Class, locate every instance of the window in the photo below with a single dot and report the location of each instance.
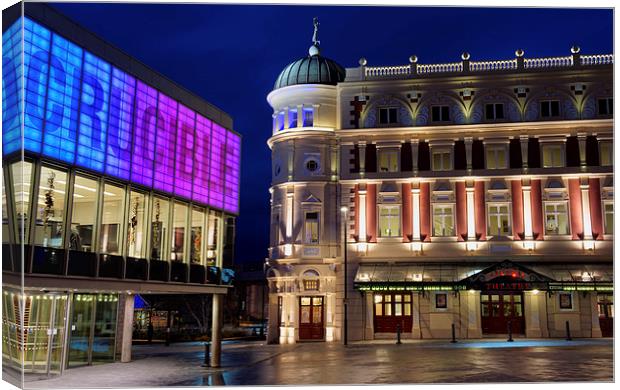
(159, 228)
(311, 228)
(213, 232)
(22, 181)
(312, 164)
(609, 218)
(280, 121)
(388, 115)
(292, 119)
(311, 285)
(494, 111)
(196, 254)
(499, 220)
(388, 160)
(496, 157)
(441, 301)
(308, 118)
(566, 301)
(112, 219)
(179, 215)
(83, 216)
(549, 108)
(396, 305)
(556, 218)
(553, 156)
(606, 153)
(443, 220)
(440, 113)
(605, 106)
(136, 225)
(389, 221)
(51, 205)
(442, 160)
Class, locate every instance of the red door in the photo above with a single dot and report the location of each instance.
(392, 310)
(498, 308)
(311, 326)
(606, 315)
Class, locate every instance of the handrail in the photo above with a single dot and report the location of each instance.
(548, 62)
(440, 68)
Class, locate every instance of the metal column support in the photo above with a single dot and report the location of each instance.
(216, 330)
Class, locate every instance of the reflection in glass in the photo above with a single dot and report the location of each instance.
(22, 182)
(105, 327)
(136, 226)
(112, 218)
(198, 227)
(50, 208)
(159, 228)
(212, 237)
(178, 231)
(85, 194)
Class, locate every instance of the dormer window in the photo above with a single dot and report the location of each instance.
(388, 115)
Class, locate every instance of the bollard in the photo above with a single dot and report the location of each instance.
(568, 338)
(206, 361)
(453, 334)
(398, 334)
(510, 331)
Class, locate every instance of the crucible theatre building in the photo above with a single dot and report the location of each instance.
(116, 182)
(415, 197)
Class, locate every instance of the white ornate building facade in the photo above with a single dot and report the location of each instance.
(477, 194)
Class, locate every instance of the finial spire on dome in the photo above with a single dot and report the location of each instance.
(314, 49)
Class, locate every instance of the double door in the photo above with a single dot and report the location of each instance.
(606, 314)
(499, 309)
(311, 323)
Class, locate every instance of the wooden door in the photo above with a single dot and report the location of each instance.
(500, 308)
(311, 324)
(392, 310)
(606, 315)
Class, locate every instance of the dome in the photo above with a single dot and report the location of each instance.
(313, 69)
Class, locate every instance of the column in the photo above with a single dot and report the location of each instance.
(371, 212)
(216, 331)
(300, 115)
(468, 148)
(524, 143)
(596, 326)
(532, 313)
(538, 227)
(517, 208)
(461, 211)
(330, 312)
(581, 138)
(126, 316)
(425, 211)
(527, 210)
(415, 194)
(407, 218)
(585, 210)
(362, 151)
(414, 155)
(289, 217)
(415, 311)
(471, 217)
(479, 209)
(596, 213)
(474, 324)
(576, 216)
(361, 216)
(369, 331)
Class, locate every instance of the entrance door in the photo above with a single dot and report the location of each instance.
(606, 315)
(498, 308)
(311, 325)
(392, 310)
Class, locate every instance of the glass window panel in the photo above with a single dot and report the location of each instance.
(484, 298)
(378, 298)
(178, 231)
(312, 228)
(378, 309)
(443, 220)
(485, 310)
(112, 219)
(136, 227)
(308, 117)
(387, 298)
(388, 310)
(518, 312)
(292, 119)
(213, 231)
(556, 219)
(317, 301)
(389, 221)
(609, 218)
(398, 298)
(407, 309)
(51, 208)
(21, 173)
(507, 310)
(398, 309)
(305, 314)
(305, 301)
(159, 229)
(407, 298)
(84, 214)
(495, 309)
(388, 160)
(606, 153)
(317, 315)
(197, 254)
(516, 298)
(495, 298)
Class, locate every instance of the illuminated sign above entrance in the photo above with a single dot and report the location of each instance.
(83, 111)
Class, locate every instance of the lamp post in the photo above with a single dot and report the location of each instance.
(345, 210)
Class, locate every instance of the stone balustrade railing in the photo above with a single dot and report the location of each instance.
(466, 66)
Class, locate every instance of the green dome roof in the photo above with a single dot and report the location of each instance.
(313, 69)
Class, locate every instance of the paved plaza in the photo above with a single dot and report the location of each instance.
(256, 363)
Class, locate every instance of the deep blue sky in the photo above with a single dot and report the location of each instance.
(231, 55)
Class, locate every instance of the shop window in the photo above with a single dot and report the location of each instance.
(83, 216)
(440, 113)
(442, 160)
(159, 228)
(496, 156)
(566, 301)
(499, 220)
(549, 108)
(605, 106)
(197, 254)
(609, 217)
(213, 233)
(179, 221)
(388, 115)
(389, 221)
(49, 231)
(441, 301)
(22, 182)
(556, 218)
(388, 160)
(494, 111)
(553, 156)
(311, 228)
(292, 118)
(606, 153)
(112, 219)
(308, 119)
(136, 225)
(443, 220)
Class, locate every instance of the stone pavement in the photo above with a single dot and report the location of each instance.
(378, 362)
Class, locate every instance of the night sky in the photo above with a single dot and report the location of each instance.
(231, 55)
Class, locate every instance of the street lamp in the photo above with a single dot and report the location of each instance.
(345, 210)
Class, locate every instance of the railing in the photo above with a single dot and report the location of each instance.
(482, 66)
(517, 64)
(597, 59)
(549, 62)
(440, 68)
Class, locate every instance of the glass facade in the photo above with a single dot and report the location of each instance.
(51, 206)
(84, 214)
